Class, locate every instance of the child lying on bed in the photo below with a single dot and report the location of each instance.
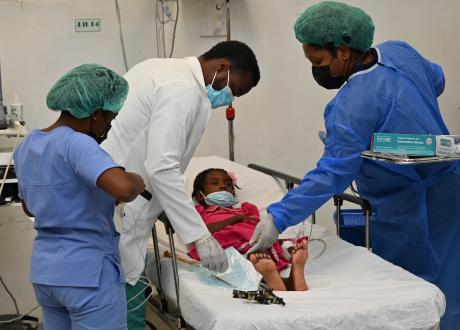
(214, 191)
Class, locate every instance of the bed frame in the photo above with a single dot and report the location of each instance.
(175, 319)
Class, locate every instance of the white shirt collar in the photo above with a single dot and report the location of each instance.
(196, 69)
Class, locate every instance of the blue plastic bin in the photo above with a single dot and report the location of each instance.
(352, 225)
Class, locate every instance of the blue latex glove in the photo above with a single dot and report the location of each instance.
(211, 254)
(264, 236)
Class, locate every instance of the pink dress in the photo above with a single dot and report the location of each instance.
(239, 234)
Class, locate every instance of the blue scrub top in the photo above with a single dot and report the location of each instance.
(57, 173)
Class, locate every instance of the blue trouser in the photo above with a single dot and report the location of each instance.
(84, 308)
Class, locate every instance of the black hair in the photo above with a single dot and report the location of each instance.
(240, 55)
(333, 50)
(198, 184)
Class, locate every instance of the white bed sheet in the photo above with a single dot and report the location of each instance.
(350, 288)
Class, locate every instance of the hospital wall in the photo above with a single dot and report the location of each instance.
(276, 124)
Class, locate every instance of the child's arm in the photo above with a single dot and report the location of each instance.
(227, 222)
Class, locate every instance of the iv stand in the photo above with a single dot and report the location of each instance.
(230, 111)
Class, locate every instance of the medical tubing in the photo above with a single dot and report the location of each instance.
(141, 291)
(163, 37)
(148, 284)
(137, 240)
(120, 30)
(20, 316)
(156, 28)
(141, 304)
(354, 190)
(161, 19)
(313, 240)
(138, 248)
(159, 23)
(174, 30)
(324, 249)
(10, 294)
(11, 159)
(138, 279)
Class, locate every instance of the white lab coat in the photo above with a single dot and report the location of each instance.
(155, 135)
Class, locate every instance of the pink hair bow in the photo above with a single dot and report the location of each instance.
(232, 176)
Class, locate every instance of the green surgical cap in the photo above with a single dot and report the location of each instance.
(335, 23)
(86, 88)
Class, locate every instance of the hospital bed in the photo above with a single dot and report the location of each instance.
(350, 288)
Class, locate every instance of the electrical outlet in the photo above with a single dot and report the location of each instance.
(87, 25)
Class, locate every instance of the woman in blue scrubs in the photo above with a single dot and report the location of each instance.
(389, 88)
(70, 185)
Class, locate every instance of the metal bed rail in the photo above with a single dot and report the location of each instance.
(365, 207)
(291, 181)
(288, 179)
(163, 305)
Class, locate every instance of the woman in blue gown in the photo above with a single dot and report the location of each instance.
(389, 88)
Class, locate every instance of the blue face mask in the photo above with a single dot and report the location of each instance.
(221, 97)
(220, 198)
(240, 274)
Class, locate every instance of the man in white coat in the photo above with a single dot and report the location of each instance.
(156, 133)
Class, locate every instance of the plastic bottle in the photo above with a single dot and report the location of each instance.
(16, 108)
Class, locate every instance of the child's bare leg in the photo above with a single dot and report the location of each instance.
(299, 258)
(267, 268)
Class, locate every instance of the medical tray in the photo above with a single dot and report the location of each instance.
(404, 160)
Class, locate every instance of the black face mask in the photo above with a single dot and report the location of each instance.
(322, 75)
(100, 139)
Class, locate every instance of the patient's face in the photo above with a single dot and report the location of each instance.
(218, 181)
